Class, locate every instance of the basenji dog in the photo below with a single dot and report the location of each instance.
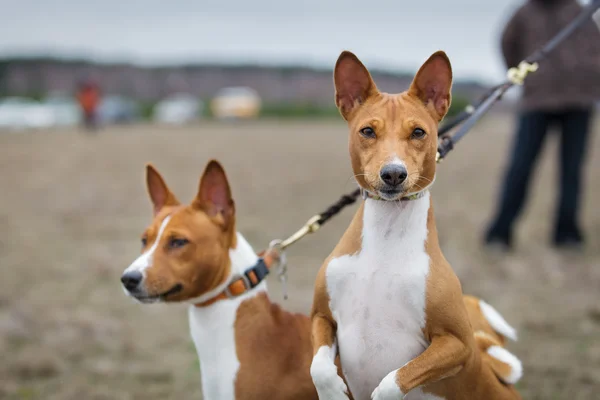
(386, 300)
(249, 348)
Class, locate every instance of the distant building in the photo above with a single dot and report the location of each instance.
(275, 85)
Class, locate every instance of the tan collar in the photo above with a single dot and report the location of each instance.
(408, 197)
(241, 284)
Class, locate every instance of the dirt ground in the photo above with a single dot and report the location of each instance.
(72, 207)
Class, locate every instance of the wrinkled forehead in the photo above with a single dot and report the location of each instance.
(182, 220)
(163, 217)
(394, 111)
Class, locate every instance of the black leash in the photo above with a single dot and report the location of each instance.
(338, 206)
(516, 76)
(314, 223)
(467, 118)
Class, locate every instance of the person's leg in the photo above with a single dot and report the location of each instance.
(574, 135)
(527, 144)
(86, 120)
(93, 120)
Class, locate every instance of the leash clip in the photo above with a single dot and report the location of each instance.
(311, 226)
(518, 74)
(276, 247)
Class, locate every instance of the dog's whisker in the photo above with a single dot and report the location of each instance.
(425, 178)
(419, 186)
(368, 178)
(419, 176)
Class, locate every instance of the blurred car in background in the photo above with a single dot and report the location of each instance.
(64, 108)
(236, 103)
(178, 109)
(19, 113)
(114, 109)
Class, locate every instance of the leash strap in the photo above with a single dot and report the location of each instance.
(335, 208)
(515, 76)
(315, 222)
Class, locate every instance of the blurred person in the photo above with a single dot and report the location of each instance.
(88, 97)
(562, 93)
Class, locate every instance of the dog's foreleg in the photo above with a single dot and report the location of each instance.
(445, 357)
(323, 369)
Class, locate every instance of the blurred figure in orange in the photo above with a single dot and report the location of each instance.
(88, 97)
(562, 92)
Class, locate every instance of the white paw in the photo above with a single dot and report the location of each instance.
(329, 385)
(334, 389)
(388, 389)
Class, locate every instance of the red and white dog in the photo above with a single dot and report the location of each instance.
(386, 298)
(249, 348)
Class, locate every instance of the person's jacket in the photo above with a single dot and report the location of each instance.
(570, 76)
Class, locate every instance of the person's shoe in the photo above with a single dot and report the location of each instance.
(497, 243)
(572, 243)
(568, 239)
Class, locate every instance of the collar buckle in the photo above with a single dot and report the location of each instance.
(260, 271)
(243, 278)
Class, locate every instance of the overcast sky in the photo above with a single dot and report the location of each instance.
(393, 34)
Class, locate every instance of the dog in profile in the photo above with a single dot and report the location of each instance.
(249, 348)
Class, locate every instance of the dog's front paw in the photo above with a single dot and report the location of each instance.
(329, 385)
(388, 389)
(332, 389)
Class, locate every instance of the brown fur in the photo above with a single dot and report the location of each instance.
(453, 365)
(274, 351)
(453, 351)
(485, 337)
(478, 321)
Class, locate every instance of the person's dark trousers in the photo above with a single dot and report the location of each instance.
(89, 120)
(532, 131)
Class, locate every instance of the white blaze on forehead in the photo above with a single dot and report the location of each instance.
(144, 261)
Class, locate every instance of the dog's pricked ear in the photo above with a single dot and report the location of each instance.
(214, 195)
(433, 83)
(353, 83)
(159, 193)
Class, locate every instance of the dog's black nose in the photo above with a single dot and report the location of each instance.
(131, 279)
(393, 174)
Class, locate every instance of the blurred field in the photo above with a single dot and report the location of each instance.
(72, 208)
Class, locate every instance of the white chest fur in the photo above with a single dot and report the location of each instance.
(213, 332)
(377, 296)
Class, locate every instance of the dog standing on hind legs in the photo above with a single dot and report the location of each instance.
(386, 299)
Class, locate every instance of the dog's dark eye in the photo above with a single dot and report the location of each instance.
(368, 132)
(418, 133)
(144, 241)
(176, 243)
